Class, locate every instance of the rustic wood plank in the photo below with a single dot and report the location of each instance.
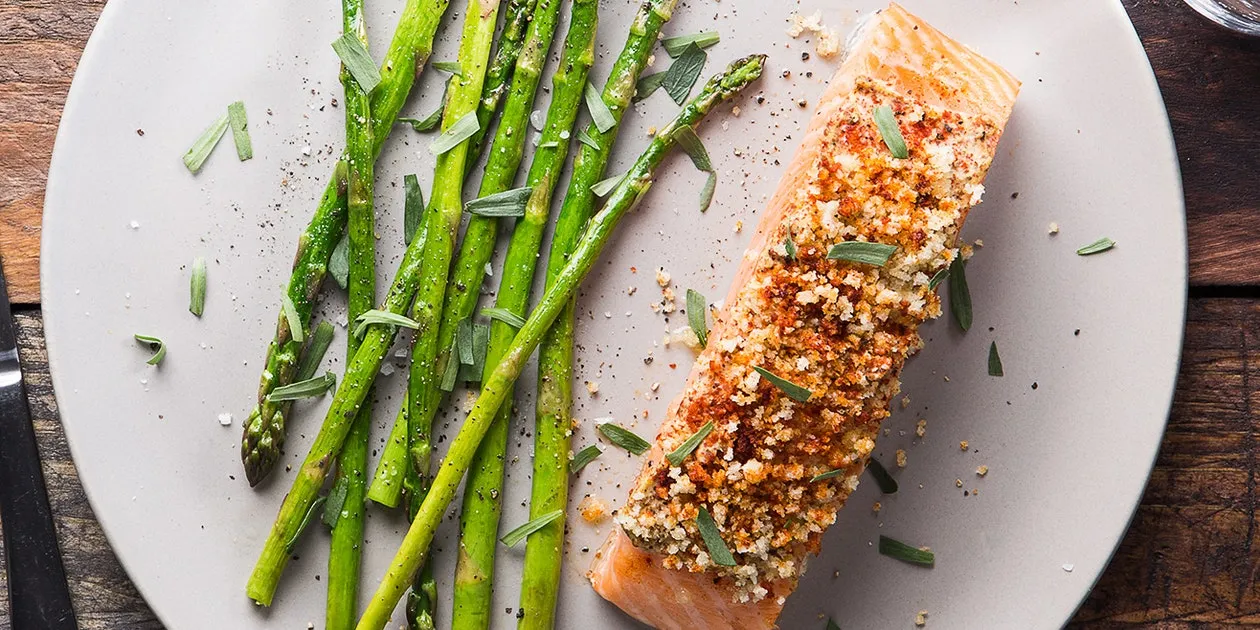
(1208, 77)
(40, 44)
(1192, 554)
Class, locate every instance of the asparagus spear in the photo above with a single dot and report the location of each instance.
(423, 393)
(264, 429)
(347, 532)
(516, 18)
(479, 519)
(362, 368)
(441, 221)
(494, 390)
(540, 580)
(479, 237)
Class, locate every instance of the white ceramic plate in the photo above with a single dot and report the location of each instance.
(1090, 345)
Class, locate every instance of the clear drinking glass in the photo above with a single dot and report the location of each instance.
(1242, 16)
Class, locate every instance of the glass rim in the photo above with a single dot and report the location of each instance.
(1216, 12)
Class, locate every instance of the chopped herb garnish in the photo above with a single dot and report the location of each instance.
(682, 74)
(697, 316)
(464, 341)
(901, 551)
(336, 501)
(584, 457)
(862, 252)
(686, 138)
(413, 207)
(316, 505)
(549, 145)
(586, 139)
(690, 142)
(648, 84)
(240, 130)
(676, 45)
(830, 474)
(197, 287)
(449, 66)
(200, 150)
(509, 203)
(450, 372)
(514, 537)
(156, 345)
(478, 342)
(793, 391)
(354, 55)
(308, 388)
(459, 131)
(430, 122)
(314, 353)
(624, 438)
(505, 316)
(339, 262)
(679, 454)
(718, 551)
(600, 114)
(885, 481)
(959, 294)
(886, 120)
(292, 318)
(604, 187)
(789, 247)
(1097, 247)
(938, 278)
(375, 316)
(995, 361)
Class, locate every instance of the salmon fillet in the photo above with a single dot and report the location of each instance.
(839, 329)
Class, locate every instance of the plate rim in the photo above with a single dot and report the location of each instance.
(75, 95)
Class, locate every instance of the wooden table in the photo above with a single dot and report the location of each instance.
(1192, 554)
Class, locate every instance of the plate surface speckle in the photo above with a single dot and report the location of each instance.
(1089, 345)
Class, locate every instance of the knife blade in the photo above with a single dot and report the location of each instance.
(38, 595)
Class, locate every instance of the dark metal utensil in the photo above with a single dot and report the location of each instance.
(38, 596)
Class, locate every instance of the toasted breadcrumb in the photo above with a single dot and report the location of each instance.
(662, 277)
(901, 458)
(1054, 228)
(982, 471)
(920, 429)
(962, 446)
(592, 387)
(877, 507)
(593, 509)
(921, 618)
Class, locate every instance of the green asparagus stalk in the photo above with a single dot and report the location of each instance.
(479, 519)
(442, 221)
(362, 368)
(347, 533)
(540, 580)
(511, 41)
(387, 482)
(423, 392)
(494, 391)
(264, 429)
(478, 244)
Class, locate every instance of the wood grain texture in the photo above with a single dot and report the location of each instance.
(1191, 558)
(40, 45)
